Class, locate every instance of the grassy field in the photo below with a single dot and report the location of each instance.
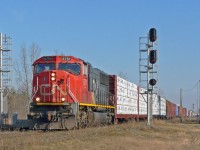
(162, 135)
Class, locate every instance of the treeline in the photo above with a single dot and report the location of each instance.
(16, 102)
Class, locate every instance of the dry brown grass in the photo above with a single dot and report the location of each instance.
(162, 135)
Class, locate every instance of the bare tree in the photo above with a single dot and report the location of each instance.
(23, 69)
(35, 52)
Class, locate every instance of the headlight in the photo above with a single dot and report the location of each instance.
(37, 99)
(53, 78)
(62, 99)
(53, 74)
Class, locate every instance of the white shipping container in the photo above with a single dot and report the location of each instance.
(142, 102)
(121, 100)
(130, 110)
(155, 105)
(142, 111)
(121, 82)
(127, 97)
(132, 94)
(121, 91)
(131, 86)
(156, 112)
(163, 106)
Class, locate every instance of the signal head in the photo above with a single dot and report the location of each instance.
(153, 56)
(152, 82)
(152, 35)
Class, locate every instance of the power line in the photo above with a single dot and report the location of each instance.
(192, 88)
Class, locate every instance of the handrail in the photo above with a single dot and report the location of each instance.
(70, 92)
(35, 91)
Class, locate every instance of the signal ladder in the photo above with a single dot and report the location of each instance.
(147, 70)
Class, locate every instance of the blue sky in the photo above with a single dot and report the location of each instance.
(106, 33)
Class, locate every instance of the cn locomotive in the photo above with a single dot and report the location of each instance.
(69, 92)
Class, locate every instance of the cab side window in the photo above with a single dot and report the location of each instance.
(85, 69)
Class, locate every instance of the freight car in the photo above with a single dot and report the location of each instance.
(126, 98)
(170, 110)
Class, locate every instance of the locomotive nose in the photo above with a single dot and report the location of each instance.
(52, 87)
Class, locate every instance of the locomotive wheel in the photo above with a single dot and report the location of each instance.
(70, 123)
(90, 118)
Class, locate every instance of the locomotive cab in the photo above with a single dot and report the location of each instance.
(59, 80)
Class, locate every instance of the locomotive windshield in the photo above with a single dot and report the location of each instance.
(70, 67)
(42, 67)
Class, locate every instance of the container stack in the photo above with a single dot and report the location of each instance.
(155, 105)
(126, 97)
(162, 106)
(142, 102)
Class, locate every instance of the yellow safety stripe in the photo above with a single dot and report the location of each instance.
(52, 104)
(96, 105)
(81, 104)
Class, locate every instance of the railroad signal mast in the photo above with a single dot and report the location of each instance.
(5, 70)
(148, 74)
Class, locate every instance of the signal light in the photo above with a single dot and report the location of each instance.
(152, 82)
(152, 35)
(153, 56)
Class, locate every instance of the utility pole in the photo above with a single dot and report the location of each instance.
(1, 72)
(180, 111)
(197, 100)
(199, 103)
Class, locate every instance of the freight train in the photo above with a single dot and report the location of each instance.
(69, 92)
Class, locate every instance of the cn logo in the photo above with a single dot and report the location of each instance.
(46, 90)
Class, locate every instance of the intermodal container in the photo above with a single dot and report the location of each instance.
(126, 97)
(162, 107)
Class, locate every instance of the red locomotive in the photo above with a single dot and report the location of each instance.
(69, 92)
